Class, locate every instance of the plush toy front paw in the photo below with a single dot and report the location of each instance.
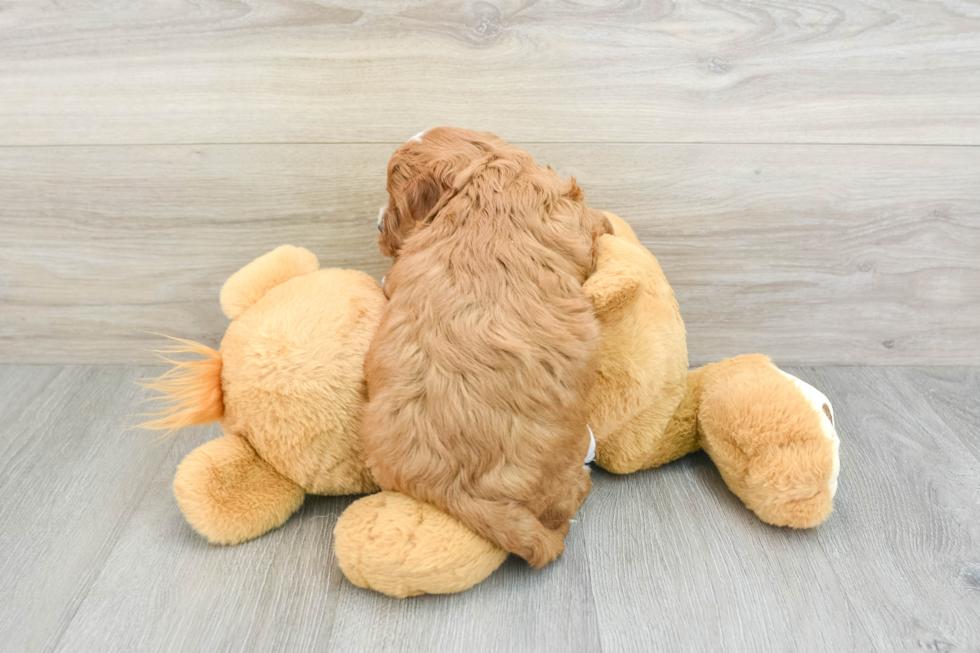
(401, 547)
(773, 439)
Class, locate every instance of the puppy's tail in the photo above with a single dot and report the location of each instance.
(510, 526)
(190, 391)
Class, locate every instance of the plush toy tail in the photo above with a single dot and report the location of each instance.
(190, 391)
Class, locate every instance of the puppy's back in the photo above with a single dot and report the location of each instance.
(480, 372)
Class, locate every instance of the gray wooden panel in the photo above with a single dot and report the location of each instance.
(70, 477)
(679, 564)
(904, 540)
(106, 246)
(95, 555)
(954, 394)
(164, 588)
(516, 609)
(19, 386)
(271, 71)
(818, 254)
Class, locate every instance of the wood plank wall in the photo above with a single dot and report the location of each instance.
(808, 176)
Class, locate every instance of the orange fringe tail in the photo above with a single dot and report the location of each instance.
(190, 390)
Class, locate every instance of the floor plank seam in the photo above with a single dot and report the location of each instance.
(953, 429)
(103, 563)
(333, 567)
(595, 600)
(802, 372)
(833, 568)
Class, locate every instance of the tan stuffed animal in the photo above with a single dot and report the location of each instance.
(288, 388)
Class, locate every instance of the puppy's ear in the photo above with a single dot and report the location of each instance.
(421, 196)
(389, 241)
(429, 192)
(405, 213)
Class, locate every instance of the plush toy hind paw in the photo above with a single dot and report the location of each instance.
(229, 494)
(772, 438)
(819, 402)
(401, 547)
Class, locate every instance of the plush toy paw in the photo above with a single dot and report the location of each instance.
(772, 438)
(401, 547)
(229, 494)
(819, 402)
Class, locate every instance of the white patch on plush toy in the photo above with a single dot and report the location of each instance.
(823, 406)
(589, 457)
(418, 137)
(381, 217)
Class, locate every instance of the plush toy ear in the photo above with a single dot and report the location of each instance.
(253, 281)
(611, 291)
(615, 283)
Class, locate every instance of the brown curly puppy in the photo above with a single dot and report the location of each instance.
(480, 372)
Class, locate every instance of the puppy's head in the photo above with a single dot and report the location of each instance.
(424, 174)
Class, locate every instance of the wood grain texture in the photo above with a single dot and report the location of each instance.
(71, 475)
(165, 589)
(380, 70)
(954, 394)
(679, 564)
(812, 254)
(516, 609)
(95, 555)
(904, 540)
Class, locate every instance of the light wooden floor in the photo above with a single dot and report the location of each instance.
(95, 556)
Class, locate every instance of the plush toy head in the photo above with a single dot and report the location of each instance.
(292, 367)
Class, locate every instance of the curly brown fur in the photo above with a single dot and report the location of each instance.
(481, 369)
